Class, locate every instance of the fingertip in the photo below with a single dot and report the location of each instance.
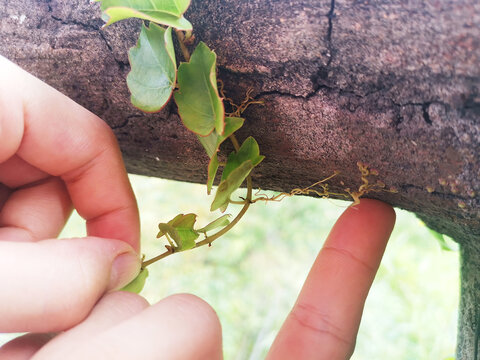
(119, 305)
(131, 300)
(125, 268)
(191, 306)
(374, 217)
(191, 315)
(377, 208)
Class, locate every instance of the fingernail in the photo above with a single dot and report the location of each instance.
(125, 268)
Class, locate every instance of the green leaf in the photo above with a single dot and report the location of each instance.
(239, 164)
(199, 105)
(152, 78)
(248, 151)
(165, 12)
(168, 230)
(230, 184)
(137, 284)
(180, 229)
(212, 172)
(173, 7)
(220, 222)
(212, 142)
(209, 142)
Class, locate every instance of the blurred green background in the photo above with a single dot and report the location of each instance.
(252, 275)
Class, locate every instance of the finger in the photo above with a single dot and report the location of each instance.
(63, 139)
(52, 285)
(178, 327)
(37, 212)
(24, 347)
(111, 310)
(324, 321)
(16, 172)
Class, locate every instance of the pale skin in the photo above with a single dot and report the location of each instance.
(56, 156)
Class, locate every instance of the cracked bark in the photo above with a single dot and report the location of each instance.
(393, 84)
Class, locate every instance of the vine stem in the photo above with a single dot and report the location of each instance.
(183, 47)
(209, 239)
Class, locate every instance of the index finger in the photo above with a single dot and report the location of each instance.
(324, 321)
(63, 139)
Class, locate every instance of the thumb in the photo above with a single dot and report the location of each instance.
(52, 285)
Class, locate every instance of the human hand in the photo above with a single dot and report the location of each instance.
(322, 325)
(51, 285)
(56, 155)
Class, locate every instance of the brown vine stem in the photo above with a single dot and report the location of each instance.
(156, 258)
(209, 239)
(183, 47)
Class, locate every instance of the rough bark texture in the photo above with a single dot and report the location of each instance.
(391, 83)
(469, 317)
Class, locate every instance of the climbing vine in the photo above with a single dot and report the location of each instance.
(155, 77)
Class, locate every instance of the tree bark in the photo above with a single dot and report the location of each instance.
(391, 83)
(469, 316)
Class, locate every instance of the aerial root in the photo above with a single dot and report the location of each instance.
(238, 109)
(321, 188)
(323, 192)
(366, 186)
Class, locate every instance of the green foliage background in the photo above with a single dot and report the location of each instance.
(252, 275)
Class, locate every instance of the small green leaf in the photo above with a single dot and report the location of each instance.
(153, 75)
(165, 12)
(212, 171)
(230, 184)
(137, 284)
(199, 105)
(239, 164)
(212, 142)
(248, 151)
(180, 229)
(209, 143)
(168, 230)
(220, 222)
(184, 226)
(186, 221)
